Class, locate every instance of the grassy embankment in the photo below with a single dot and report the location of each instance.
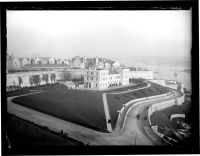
(77, 106)
(29, 137)
(116, 101)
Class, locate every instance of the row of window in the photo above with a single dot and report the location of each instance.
(96, 73)
(105, 78)
(116, 77)
(93, 78)
(109, 83)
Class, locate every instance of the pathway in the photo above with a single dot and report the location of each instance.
(107, 113)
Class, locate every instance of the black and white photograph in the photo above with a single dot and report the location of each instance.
(99, 78)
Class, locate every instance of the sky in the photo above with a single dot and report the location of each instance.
(123, 35)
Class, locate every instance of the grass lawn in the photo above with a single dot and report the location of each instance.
(23, 133)
(81, 107)
(26, 90)
(116, 101)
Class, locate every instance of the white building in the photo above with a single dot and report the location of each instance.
(102, 79)
(51, 61)
(124, 75)
(38, 60)
(143, 74)
(114, 78)
(116, 64)
(61, 61)
(107, 66)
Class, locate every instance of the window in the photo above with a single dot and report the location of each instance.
(92, 78)
(96, 84)
(87, 78)
(91, 73)
(87, 73)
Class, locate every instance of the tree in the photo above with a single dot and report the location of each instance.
(20, 80)
(66, 76)
(31, 80)
(45, 77)
(36, 80)
(53, 77)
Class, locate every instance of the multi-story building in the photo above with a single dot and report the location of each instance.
(102, 79)
(24, 61)
(124, 72)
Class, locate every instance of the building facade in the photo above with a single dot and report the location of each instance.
(143, 74)
(102, 79)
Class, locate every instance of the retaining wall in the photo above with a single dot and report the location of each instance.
(136, 102)
(163, 105)
(12, 79)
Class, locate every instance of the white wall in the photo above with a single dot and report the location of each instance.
(141, 74)
(160, 82)
(13, 78)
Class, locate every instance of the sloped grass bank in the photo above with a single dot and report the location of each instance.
(22, 133)
(80, 107)
(116, 101)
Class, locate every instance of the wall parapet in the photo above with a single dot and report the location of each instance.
(163, 105)
(127, 107)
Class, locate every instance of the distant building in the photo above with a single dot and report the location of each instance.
(13, 63)
(38, 60)
(140, 73)
(116, 64)
(51, 61)
(24, 61)
(107, 66)
(45, 60)
(102, 79)
(70, 85)
(61, 61)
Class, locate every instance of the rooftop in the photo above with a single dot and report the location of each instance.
(113, 72)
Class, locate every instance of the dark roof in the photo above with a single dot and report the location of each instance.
(132, 68)
(113, 72)
(81, 59)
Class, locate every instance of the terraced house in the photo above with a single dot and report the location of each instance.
(102, 79)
